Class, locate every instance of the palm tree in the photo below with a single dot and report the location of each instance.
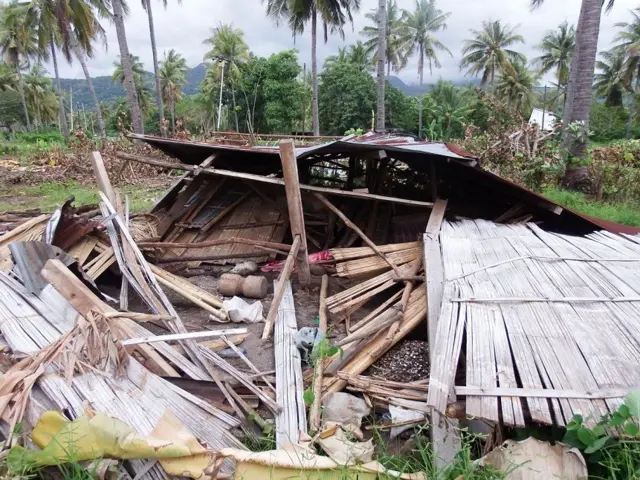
(172, 77)
(449, 108)
(73, 27)
(339, 58)
(146, 4)
(8, 78)
(334, 14)
(557, 47)
(579, 91)
(141, 89)
(228, 50)
(359, 57)
(629, 45)
(418, 36)
(18, 44)
(393, 55)
(36, 87)
(610, 81)
(515, 88)
(488, 53)
(129, 85)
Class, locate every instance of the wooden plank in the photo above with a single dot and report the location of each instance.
(444, 431)
(544, 392)
(292, 420)
(294, 204)
(314, 410)
(280, 288)
(183, 336)
(312, 188)
(102, 178)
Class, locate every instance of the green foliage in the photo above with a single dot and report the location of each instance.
(609, 457)
(401, 111)
(446, 111)
(283, 94)
(11, 111)
(346, 98)
(607, 123)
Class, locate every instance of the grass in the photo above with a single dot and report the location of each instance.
(626, 214)
(49, 195)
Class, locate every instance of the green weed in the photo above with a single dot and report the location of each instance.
(624, 213)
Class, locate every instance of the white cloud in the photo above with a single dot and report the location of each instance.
(184, 26)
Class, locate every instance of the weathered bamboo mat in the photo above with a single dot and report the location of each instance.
(538, 311)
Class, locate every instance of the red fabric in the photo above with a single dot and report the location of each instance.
(277, 265)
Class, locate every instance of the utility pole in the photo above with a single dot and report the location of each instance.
(544, 107)
(71, 105)
(220, 102)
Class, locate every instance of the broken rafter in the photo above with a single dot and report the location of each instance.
(219, 241)
(314, 411)
(156, 162)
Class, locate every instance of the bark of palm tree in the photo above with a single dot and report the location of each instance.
(314, 72)
(580, 88)
(125, 58)
(421, 68)
(83, 63)
(22, 96)
(172, 110)
(154, 51)
(382, 51)
(61, 112)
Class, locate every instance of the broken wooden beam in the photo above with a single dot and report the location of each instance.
(102, 178)
(280, 287)
(360, 233)
(156, 162)
(184, 336)
(294, 204)
(220, 241)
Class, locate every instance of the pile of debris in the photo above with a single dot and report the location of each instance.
(131, 378)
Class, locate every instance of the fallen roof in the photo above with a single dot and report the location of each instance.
(547, 317)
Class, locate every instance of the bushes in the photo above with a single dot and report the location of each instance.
(615, 171)
(607, 123)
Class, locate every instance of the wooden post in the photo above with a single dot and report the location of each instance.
(280, 287)
(445, 438)
(314, 411)
(102, 178)
(294, 203)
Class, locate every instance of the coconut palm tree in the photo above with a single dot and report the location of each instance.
(515, 88)
(579, 91)
(557, 47)
(333, 14)
(394, 58)
(119, 11)
(8, 78)
(418, 37)
(488, 52)
(629, 45)
(172, 77)
(228, 52)
(610, 81)
(18, 43)
(141, 89)
(72, 26)
(341, 57)
(146, 4)
(359, 56)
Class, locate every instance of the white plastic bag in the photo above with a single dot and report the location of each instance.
(240, 311)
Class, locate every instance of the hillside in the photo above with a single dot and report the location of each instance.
(109, 91)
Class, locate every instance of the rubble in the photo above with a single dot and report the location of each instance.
(377, 245)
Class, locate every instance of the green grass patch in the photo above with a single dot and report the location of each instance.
(50, 195)
(624, 213)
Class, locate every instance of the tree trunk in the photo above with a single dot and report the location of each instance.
(22, 97)
(61, 111)
(125, 58)
(173, 118)
(579, 101)
(235, 112)
(630, 117)
(314, 72)
(421, 68)
(573, 72)
(92, 91)
(38, 116)
(154, 51)
(382, 54)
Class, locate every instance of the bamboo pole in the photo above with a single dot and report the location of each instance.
(294, 204)
(360, 233)
(220, 241)
(279, 291)
(314, 411)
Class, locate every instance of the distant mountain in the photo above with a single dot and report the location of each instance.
(413, 89)
(194, 77)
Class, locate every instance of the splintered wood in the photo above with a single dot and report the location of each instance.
(520, 339)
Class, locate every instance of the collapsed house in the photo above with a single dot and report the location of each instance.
(511, 290)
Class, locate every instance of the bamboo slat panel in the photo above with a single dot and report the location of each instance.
(522, 340)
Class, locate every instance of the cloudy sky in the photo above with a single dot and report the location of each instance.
(184, 26)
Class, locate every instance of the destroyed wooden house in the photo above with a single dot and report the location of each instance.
(529, 309)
